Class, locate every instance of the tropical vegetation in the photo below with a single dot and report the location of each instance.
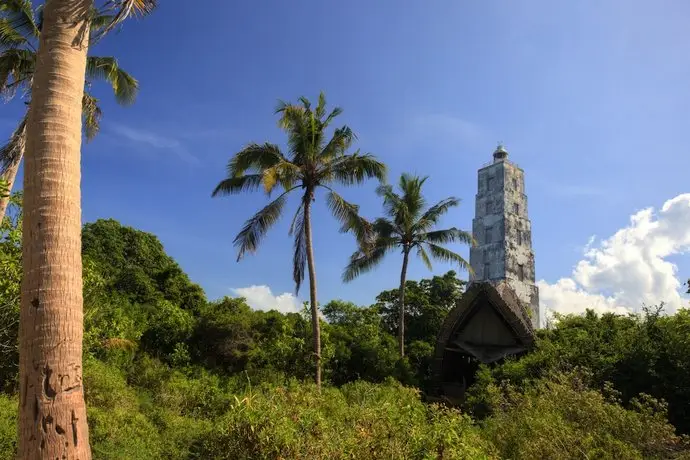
(20, 28)
(170, 374)
(409, 226)
(51, 313)
(99, 315)
(313, 162)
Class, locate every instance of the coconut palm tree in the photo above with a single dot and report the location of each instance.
(52, 413)
(18, 43)
(408, 226)
(312, 162)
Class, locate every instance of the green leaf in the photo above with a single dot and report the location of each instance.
(446, 255)
(421, 252)
(348, 216)
(124, 9)
(16, 68)
(299, 258)
(234, 185)
(355, 169)
(256, 157)
(123, 84)
(451, 235)
(364, 261)
(9, 36)
(256, 228)
(91, 115)
(19, 14)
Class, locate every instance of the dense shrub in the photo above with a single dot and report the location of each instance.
(8, 426)
(561, 418)
(636, 354)
(169, 375)
(359, 420)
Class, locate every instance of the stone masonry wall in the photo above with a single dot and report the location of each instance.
(503, 232)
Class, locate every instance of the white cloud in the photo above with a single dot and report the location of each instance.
(629, 269)
(261, 298)
(153, 140)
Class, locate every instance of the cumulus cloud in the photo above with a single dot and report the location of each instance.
(629, 269)
(261, 298)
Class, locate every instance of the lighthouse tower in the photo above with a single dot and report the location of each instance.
(503, 232)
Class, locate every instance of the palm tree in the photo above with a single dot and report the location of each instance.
(52, 413)
(312, 162)
(18, 43)
(408, 226)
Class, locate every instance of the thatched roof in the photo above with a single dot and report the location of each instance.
(489, 322)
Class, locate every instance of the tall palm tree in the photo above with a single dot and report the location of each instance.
(52, 413)
(312, 162)
(408, 226)
(19, 38)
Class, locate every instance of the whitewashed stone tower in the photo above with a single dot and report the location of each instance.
(503, 232)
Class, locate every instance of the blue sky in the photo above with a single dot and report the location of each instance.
(591, 99)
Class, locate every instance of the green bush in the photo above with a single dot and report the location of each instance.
(360, 420)
(561, 418)
(8, 426)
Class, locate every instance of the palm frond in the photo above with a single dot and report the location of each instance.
(320, 111)
(248, 239)
(355, 169)
(299, 258)
(348, 216)
(334, 113)
(234, 185)
(411, 188)
(283, 173)
(99, 21)
(294, 224)
(123, 9)
(123, 84)
(13, 150)
(91, 115)
(340, 142)
(385, 228)
(446, 255)
(16, 68)
(257, 157)
(296, 121)
(364, 261)
(434, 213)
(19, 15)
(421, 252)
(451, 235)
(9, 36)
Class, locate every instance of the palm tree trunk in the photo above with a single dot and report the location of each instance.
(316, 327)
(52, 413)
(9, 176)
(401, 301)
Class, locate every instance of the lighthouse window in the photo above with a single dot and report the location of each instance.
(519, 237)
(516, 208)
(487, 237)
(490, 183)
(515, 184)
(521, 272)
(488, 207)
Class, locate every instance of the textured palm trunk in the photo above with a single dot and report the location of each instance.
(52, 414)
(401, 301)
(9, 177)
(316, 327)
